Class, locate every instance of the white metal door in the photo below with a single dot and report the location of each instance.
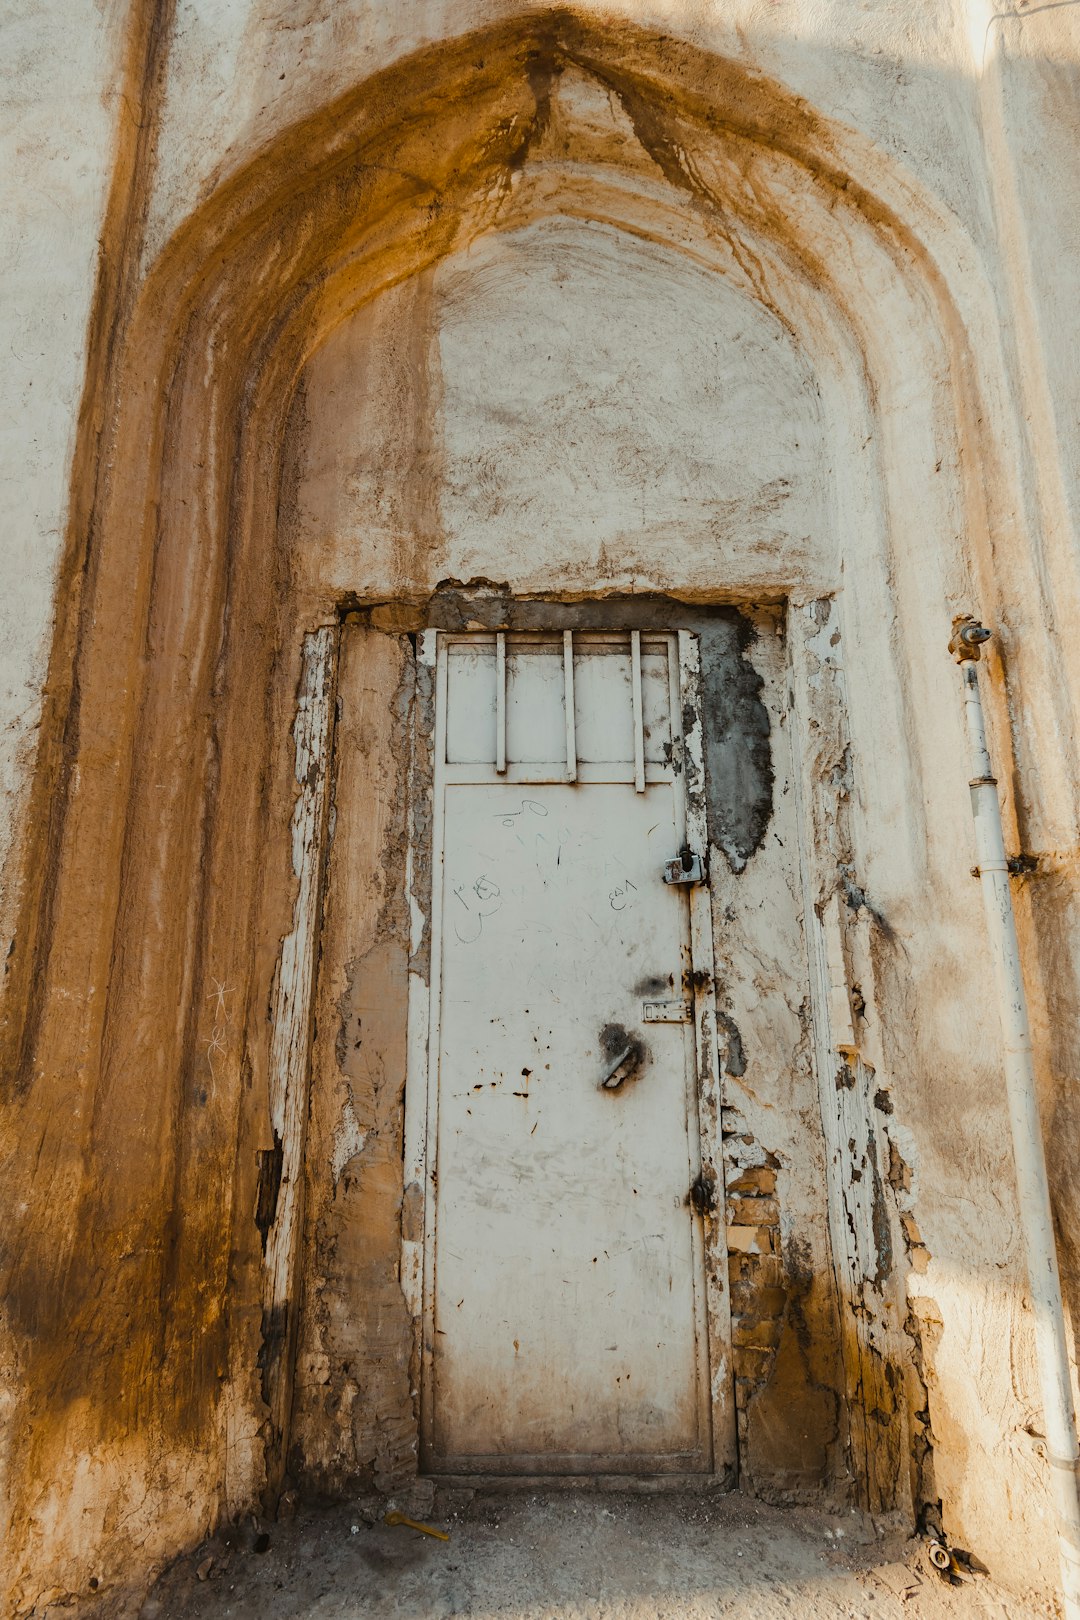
(564, 1303)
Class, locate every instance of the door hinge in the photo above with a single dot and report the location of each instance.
(703, 1194)
(687, 867)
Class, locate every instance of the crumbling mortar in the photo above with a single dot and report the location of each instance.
(758, 1292)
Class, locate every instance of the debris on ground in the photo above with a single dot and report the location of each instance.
(566, 1554)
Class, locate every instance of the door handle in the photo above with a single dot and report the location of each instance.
(622, 1067)
(618, 1071)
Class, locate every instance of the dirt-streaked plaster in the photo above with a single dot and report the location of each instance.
(636, 422)
(59, 143)
(240, 75)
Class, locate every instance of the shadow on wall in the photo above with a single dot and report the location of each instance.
(157, 873)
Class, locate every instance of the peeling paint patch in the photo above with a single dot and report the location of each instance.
(291, 1033)
(349, 1139)
(354, 1421)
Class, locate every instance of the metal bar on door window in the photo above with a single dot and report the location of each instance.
(568, 701)
(639, 717)
(500, 703)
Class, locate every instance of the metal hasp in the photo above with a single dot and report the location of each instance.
(1036, 1218)
(685, 868)
(667, 1012)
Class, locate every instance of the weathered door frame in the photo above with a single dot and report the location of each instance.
(421, 1086)
(817, 704)
(279, 1214)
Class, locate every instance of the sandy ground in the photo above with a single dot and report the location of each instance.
(572, 1555)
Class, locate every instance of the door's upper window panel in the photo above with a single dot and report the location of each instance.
(609, 724)
(535, 701)
(470, 702)
(604, 709)
(656, 701)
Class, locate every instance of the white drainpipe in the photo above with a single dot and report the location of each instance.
(1036, 1219)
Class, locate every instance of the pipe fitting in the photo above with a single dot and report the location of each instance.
(967, 638)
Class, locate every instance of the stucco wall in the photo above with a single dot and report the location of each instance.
(707, 338)
(60, 80)
(562, 408)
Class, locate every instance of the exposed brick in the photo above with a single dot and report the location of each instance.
(762, 1332)
(758, 1180)
(743, 1296)
(749, 1239)
(753, 1211)
(750, 1361)
(761, 1269)
(740, 1268)
(750, 1297)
